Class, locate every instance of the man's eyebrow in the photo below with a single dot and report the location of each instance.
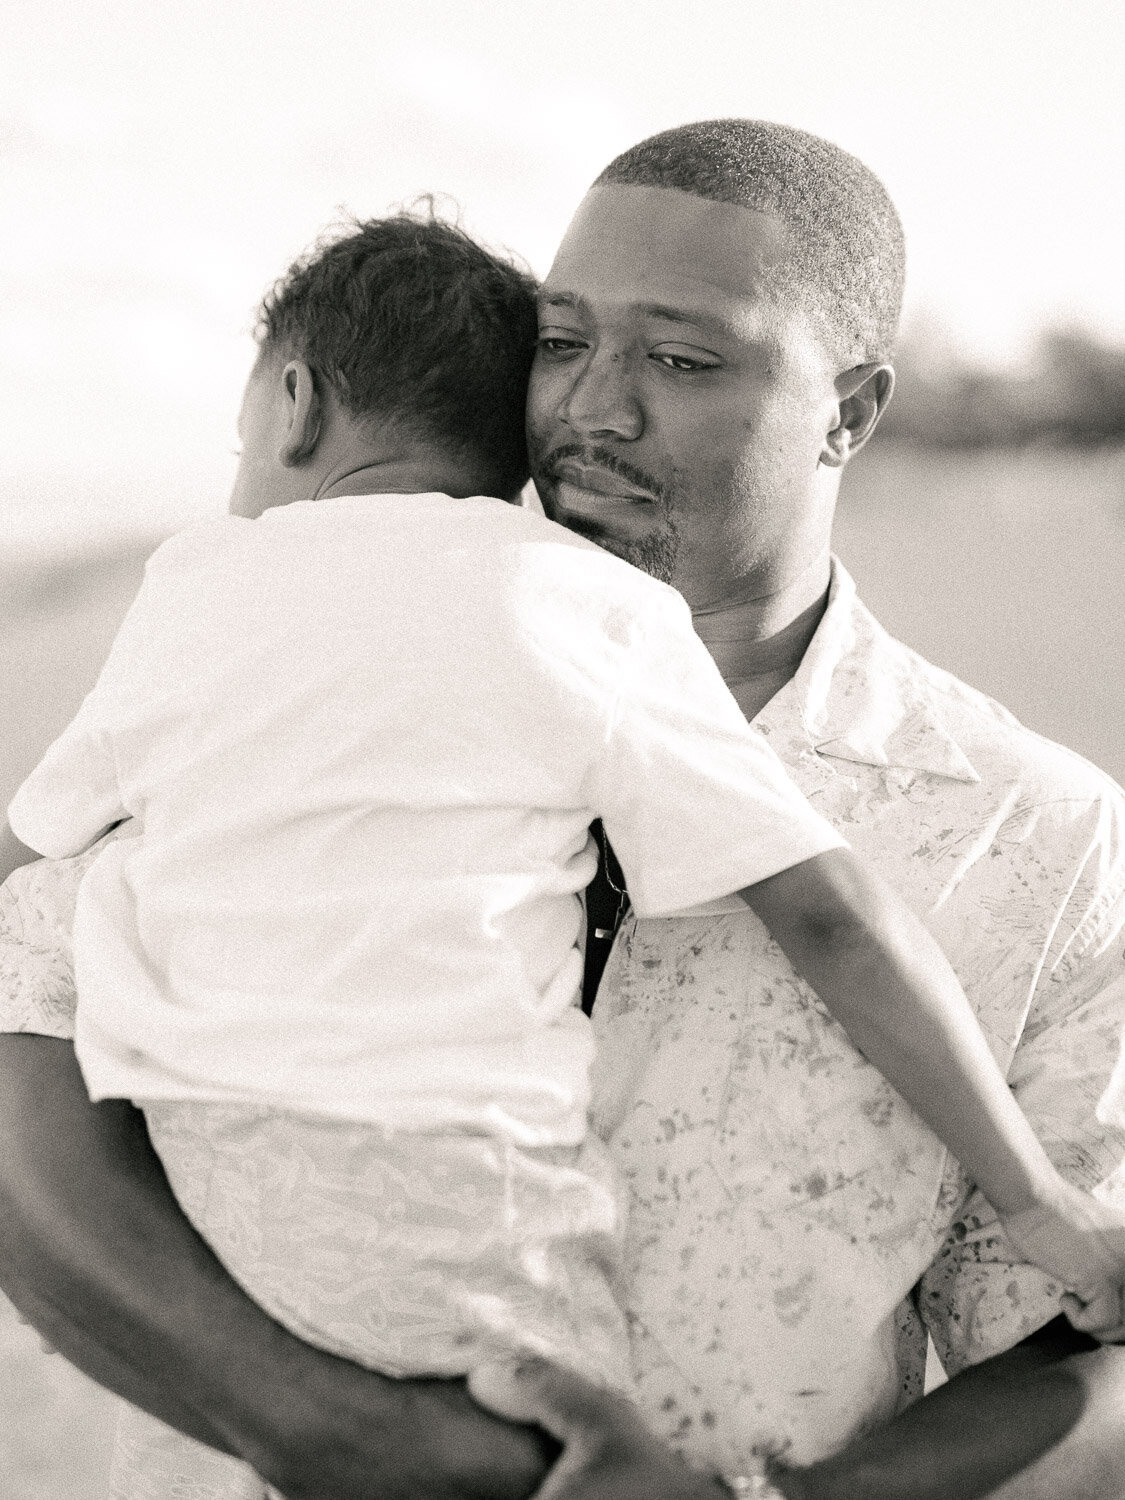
(698, 318)
(546, 298)
(714, 322)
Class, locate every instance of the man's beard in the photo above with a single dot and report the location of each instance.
(656, 553)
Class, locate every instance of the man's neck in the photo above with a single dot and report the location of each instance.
(758, 640)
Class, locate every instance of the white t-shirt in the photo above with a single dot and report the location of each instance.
(364, 738)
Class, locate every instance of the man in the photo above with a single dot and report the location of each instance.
(714, 348)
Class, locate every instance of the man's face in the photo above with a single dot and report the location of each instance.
(676, 413)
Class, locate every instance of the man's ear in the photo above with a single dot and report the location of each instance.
(303, 414)
(863, 393)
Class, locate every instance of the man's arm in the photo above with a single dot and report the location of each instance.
(96, 1252)
(94, 1249)
(1044, 1421)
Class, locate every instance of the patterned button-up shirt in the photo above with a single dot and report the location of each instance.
(794, 1228)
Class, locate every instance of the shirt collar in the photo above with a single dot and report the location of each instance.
(859, 695)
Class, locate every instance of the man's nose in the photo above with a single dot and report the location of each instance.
(603, 401)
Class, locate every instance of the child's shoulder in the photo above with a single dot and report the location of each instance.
(577, 562)
(202, 542)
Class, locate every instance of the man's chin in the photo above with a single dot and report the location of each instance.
(655, 555)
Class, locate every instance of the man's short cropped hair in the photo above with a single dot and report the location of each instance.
(412, 323)
(846, 261)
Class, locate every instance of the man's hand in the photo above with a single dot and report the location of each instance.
(608, 1452)
(408, 1440)
(1040, 1422)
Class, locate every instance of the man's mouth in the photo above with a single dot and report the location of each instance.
(583, 489)
(613, 504)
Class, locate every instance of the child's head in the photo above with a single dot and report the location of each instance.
(404, 325)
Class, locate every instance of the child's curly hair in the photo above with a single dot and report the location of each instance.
(411, 321)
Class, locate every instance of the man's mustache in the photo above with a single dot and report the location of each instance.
(547, 463)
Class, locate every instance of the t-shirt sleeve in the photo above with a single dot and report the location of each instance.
(979, 1296)
(694, 802)
(72, 795)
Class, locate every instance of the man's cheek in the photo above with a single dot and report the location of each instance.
(544, 396)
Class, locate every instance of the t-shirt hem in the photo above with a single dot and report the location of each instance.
(405, 1118)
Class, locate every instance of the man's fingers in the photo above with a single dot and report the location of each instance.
(598, 1429)
(528, 1389)
(497, 1387)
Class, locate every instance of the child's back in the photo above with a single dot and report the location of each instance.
(364, 739)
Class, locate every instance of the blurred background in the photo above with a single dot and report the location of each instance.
(160, 165)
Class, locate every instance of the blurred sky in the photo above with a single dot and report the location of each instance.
(160, 163)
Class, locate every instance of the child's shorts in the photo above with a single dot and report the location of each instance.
(412, 1254)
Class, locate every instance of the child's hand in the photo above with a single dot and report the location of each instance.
(1081, 1242)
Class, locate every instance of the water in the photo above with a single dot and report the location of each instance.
(1009, 571)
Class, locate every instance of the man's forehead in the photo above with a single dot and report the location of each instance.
(660, 246)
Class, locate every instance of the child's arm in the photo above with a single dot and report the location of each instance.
(887, 982)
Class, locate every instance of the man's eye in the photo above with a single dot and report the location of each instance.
(552, 343)
(673, 361)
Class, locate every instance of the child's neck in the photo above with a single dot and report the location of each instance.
(418, 474)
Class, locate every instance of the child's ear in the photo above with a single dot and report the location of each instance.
(863, 393)
(302, 414)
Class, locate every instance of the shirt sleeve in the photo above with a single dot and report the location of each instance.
(979, 1298)
(694, 801)
(72, 795)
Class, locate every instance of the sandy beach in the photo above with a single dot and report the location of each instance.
(56, 1426)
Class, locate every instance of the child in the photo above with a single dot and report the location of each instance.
(362, 726)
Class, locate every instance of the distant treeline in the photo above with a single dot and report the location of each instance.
(1071, 392)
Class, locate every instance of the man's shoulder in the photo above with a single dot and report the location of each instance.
(1002, 749)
